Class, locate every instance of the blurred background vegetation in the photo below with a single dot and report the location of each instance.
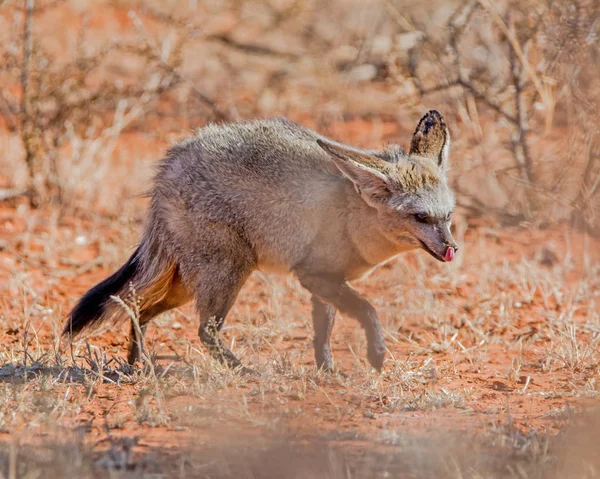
(91, 92)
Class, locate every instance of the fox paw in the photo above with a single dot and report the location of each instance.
(376, 355)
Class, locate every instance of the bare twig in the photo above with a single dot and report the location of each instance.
(250, 48)
(456, 26)
(26, 124)
(8, 111)
(485, 99)
(514, 43)
(519, 142)
(8, 193)
(217, 112)
(475, 92)
(590, 185)
(398, 17)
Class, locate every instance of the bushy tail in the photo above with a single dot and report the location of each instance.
(93, 307)
(150, 271)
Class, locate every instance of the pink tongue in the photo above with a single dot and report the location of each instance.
(449, 254)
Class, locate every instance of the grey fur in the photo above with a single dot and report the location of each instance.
(276, 196)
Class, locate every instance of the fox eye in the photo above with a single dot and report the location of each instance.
(422, 217)
(449, 217)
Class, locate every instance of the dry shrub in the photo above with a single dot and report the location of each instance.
(68, 107)
(515, 78)
(529, 67)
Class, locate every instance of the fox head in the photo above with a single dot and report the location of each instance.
(409, 191)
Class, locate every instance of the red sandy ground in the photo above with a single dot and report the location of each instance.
(492, 400)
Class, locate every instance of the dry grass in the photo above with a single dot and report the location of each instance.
(504, 343)
(524, 308)
(44, 391)
(499, 453)
(468, 344)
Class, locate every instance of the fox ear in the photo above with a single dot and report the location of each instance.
(432, 138)
(367, 172)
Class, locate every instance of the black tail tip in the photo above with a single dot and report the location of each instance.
(92, 306)
(86, 312)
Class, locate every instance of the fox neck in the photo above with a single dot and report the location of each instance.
(366, 234)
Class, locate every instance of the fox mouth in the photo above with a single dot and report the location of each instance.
(439, 257)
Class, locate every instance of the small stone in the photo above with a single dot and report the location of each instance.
(362, 73)
(409, 40)
(381, 47)
(548, 258)
(344, 54)
(81, 240)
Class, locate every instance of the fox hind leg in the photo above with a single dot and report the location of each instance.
(177, 296)
(136, 343)
(218, 266)
(217, 291)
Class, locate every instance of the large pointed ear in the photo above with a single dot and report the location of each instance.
(432, 139)
(367, 172)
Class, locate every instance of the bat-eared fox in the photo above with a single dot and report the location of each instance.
(272, 195)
